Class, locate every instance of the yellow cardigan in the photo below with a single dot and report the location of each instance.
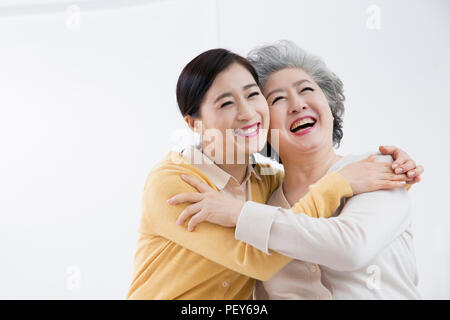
(209, 263)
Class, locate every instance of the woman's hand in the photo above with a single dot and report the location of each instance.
(208, 205)
(367, 176)
(403, 163)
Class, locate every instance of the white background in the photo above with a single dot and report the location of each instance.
(87, 107)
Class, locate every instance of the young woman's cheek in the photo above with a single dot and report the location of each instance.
(223, 124)
(265, 113)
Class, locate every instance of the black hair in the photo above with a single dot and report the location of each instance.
(199, 74)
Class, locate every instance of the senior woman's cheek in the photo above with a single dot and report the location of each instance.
(274, 135)
(277, 119)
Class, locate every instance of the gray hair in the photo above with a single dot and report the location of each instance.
(284, 54)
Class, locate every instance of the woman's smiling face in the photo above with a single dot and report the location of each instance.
(299, 110)
(235, 111)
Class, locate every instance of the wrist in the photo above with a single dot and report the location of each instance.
(338, 181)
(347, 177)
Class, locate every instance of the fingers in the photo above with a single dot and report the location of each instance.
(419, 170)
(387, 150)
(385, 168)
(415, 172)
(405, 167)
(397, 154)
(390, 180)
(397, 177)
(387, 184)
(417, 176)
(382, 167)
(191, 197)
(409, 168)
(195, 220)
(197, 184)
(400, 157)
(188, 212)
(402, 162)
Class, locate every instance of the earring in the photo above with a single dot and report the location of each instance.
(197, 126)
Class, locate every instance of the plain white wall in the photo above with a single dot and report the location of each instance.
(87, 107)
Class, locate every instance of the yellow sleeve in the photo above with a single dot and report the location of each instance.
(211, 241)
(324, 196)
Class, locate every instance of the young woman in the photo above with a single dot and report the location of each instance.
(218, 94)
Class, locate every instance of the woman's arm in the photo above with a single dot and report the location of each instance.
(259, 224)
(212, 241)
(367, 224)
(403, 163)
(322, 200)
(362, 176)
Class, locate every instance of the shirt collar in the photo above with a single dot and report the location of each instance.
(279, 199)
(219, 177)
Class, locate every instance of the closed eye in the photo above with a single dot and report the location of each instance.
(306, 89)
(256, 93)
(226, 104)
(276, 99)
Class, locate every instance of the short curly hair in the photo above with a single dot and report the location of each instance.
(284, 54)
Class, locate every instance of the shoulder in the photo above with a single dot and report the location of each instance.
(163, 182)
(165, 177)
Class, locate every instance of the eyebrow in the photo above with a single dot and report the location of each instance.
(228, 94)
(295, 84)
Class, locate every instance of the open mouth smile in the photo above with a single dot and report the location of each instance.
(303, 125)
(248, 131)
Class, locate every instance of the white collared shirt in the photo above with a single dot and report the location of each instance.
(308, 276)
(365, 251)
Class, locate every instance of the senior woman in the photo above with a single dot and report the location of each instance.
(365, 251)
(218, 92)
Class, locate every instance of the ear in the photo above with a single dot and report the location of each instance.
(193, 123)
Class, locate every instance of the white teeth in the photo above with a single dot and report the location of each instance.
(245, 132)
(303, 129)
(302, 122)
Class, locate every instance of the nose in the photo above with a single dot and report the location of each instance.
(246, 111)
(296, 104)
